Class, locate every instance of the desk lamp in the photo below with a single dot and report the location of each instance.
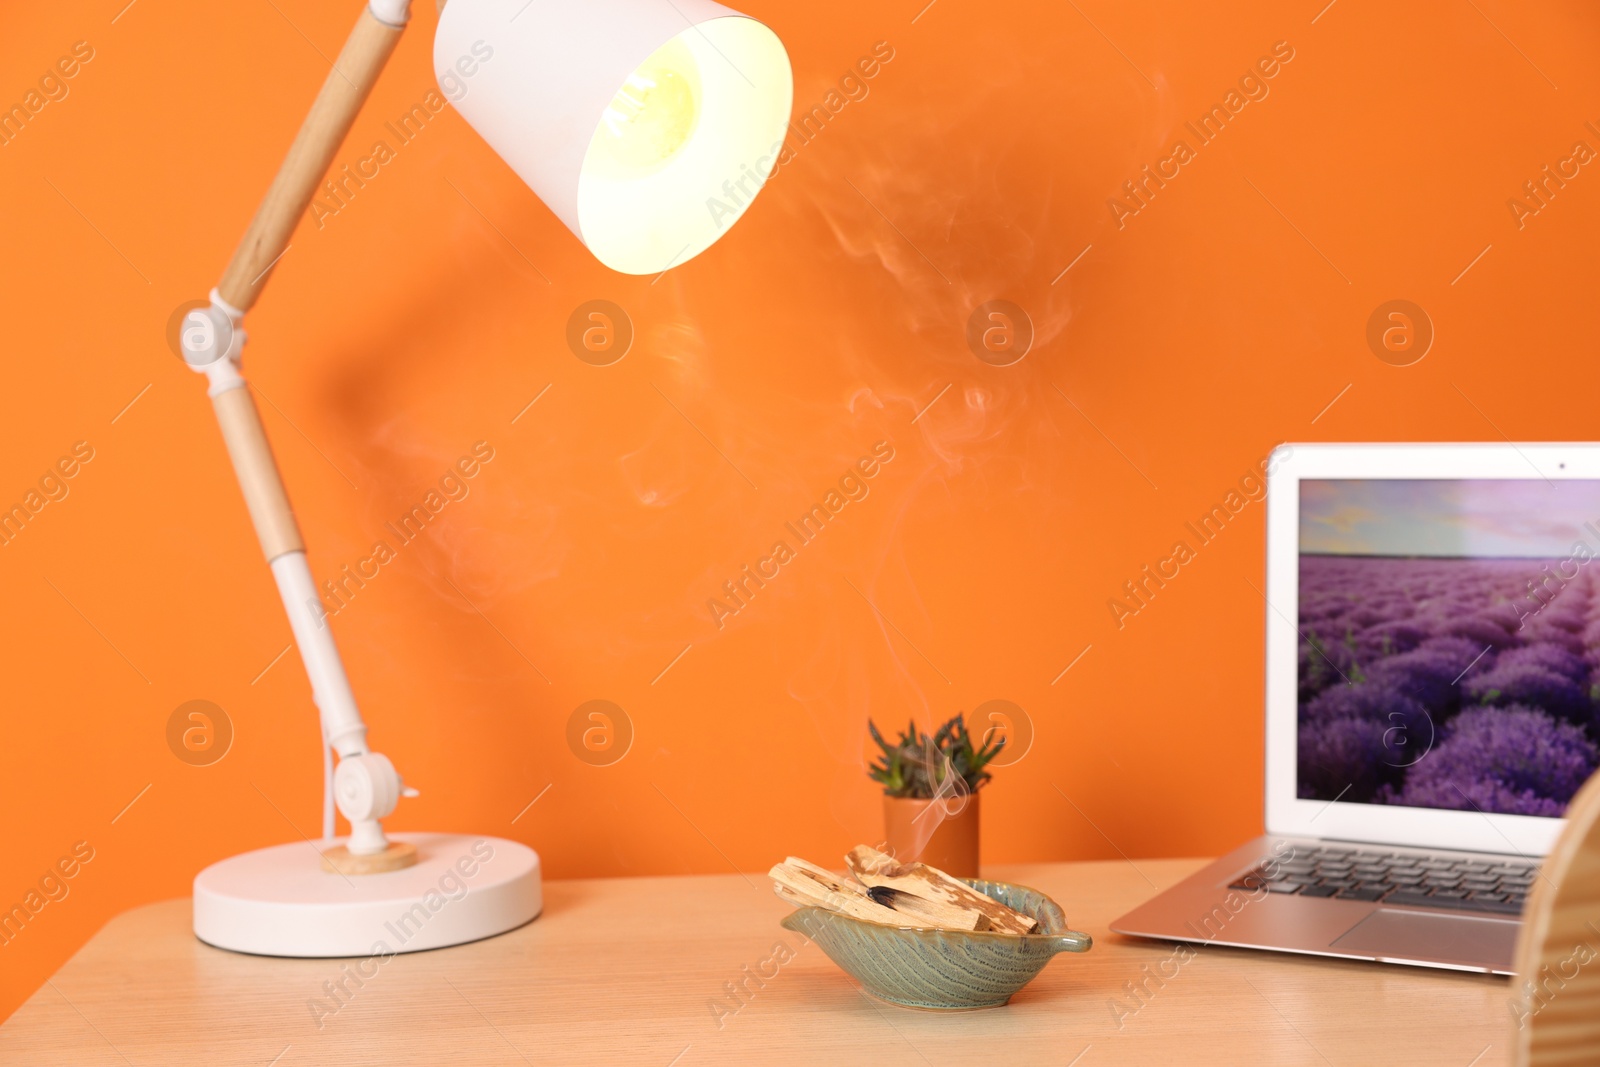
(629, 119)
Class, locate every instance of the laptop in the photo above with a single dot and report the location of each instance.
(1432, 638)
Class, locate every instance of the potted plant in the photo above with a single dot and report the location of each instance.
(930, 794)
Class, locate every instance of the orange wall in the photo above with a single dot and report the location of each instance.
(1219, 319)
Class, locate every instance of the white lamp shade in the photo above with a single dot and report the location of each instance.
(647, 126)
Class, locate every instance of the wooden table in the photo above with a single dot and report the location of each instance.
(637, 971)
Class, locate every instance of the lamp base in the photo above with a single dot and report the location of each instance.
(280, 901)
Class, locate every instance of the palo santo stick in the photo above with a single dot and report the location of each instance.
(799, 882)
(879, 870)
(931, 912)
(827, 901)
(802, 884)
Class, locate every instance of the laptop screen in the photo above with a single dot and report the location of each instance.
(1449, 640)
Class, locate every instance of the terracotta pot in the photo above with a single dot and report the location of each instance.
(925, 831)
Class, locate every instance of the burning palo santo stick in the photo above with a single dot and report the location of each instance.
(807, 885)
(931, 912)
(893, 894)
(932, 889)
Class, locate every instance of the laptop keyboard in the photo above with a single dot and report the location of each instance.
(1409, 879)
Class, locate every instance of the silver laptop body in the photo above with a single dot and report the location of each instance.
(1406, 816)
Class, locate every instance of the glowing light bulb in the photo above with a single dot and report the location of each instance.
(652, 117)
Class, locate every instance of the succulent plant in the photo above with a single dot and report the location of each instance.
(921, 766)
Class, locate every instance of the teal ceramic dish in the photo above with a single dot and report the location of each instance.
(943, 970)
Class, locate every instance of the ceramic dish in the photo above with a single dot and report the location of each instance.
(943, 970)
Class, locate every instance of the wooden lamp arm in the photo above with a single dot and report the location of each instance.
(327, 124)
(370, 44)
(373, 784)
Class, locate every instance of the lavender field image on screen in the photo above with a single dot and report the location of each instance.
(1467, 681)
